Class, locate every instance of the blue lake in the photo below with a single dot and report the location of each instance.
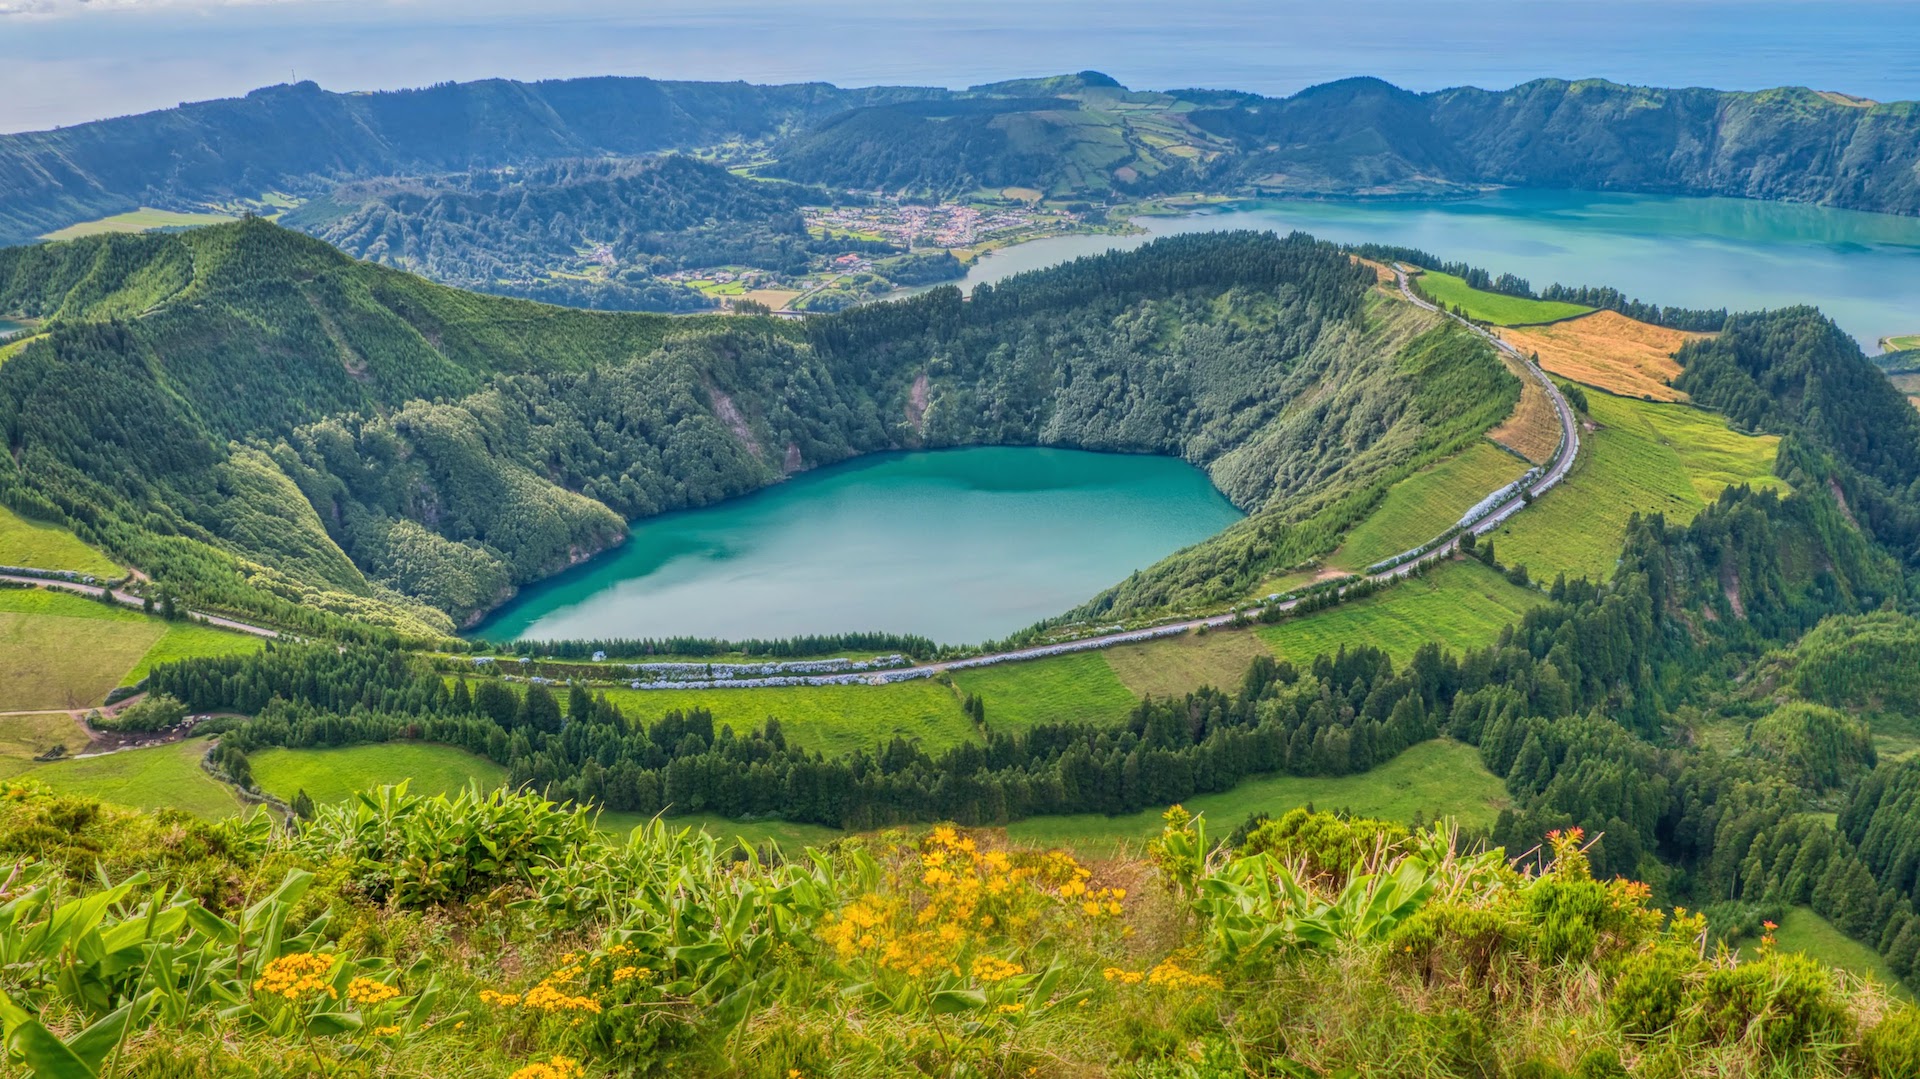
(957, 545)
(1862, 269)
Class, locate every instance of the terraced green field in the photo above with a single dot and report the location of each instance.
(1501, 310)
(1428, 503)
(337, 774)
(1064, 689)
(37, 545)
(832, 719)
(164, 777)
(1646, 458)
(1434, 778)
(1460, 605)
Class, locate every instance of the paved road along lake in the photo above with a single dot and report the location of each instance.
(1862, 269)
(958, 545)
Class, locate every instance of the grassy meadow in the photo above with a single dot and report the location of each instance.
(1079, 688)
(1646, 458)
(1459, 605)
(24, 737)
(1172, 666)
(831, 719)
(1440, 777)
(336, 774)
(140, 220)
(36, 545)
(163, 777)
(1494, 307)
(61, 650)
(1428, 503)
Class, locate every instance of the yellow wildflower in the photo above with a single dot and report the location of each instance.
(367, 992)
(558, 1068)
(385, 1032)
(296, 975)
(988, 968)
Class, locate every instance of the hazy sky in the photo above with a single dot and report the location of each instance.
(64, 61)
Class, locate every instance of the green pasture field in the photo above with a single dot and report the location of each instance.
(136, 221)
(1646, 457)
(45, 546)
(337, 774)
(62, 650)
(1173, 666)
(1494, 307)
(192, 640)
(163, 777)
(1801, 930)
(831, 719)
(24, 737)
(1440, 777)
(1428, 503)
(1459, 604)
(1078, 688)
(1900, 344)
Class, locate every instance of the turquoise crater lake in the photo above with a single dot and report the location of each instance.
(957, 545)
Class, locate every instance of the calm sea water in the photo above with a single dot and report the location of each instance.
(74, 60)
(959, 545)
(1862, 269)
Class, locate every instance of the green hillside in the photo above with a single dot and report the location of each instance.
(267, 372)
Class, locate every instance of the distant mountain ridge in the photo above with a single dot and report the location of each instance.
(1065, 135)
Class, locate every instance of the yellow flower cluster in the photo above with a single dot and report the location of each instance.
(1123, 975)
(367, 993)
(296, 975)
(1170, 975)
(989, 969)
(558, 1068)
(550, 996)
(385, 1032)
(630, 973)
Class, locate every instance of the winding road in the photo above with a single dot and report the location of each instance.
(128, 599)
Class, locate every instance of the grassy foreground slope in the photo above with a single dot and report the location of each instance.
(1644, 458)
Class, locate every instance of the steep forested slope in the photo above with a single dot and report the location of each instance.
(276, 428)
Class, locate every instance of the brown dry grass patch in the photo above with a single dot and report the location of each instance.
(1609, 350)
(1533, 429)
(1380, 271)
